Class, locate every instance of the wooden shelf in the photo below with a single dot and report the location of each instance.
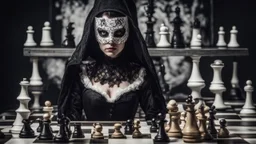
(154, 52)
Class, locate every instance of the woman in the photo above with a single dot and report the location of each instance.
(110, 73)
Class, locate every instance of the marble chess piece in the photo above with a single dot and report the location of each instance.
(164, 37)
(30, 42)
(195, 32)
(248, 107)
(221, 44)
(23, 111)
(46, 35)
(233, 38)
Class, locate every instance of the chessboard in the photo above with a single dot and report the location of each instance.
(242, 130)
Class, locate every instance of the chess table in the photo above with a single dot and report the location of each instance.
(242, 131)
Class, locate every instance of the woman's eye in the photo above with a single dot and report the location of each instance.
(103, 33)
(119, 33)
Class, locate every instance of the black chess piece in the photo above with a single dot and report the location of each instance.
(78, 133)
(62, 135)
(69, 41)
(128, 127)
(223, 131)
(67, 126)
(211, 125)
(150, 38)
(26, 131)
(177, 37)
(46, 133)
(2, 135)
(153, 127)
(161, 135)
(40, 126)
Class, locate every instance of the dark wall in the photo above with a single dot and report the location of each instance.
(20, 14)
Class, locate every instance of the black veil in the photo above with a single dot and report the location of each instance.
(87, 47)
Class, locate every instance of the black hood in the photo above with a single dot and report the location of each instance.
(88, 47)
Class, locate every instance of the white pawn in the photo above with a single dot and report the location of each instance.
(46, 35)
(48, 108)
(248, 107)
(22, 112)
(30, 39)
(233, 38)
(195, 32)
(221, 44)
(197, 43)
(164, 36)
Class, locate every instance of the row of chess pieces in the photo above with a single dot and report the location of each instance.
(164, 40)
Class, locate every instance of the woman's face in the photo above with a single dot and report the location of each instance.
(111, 34)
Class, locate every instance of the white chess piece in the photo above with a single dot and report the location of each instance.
(46, 35)
(195, 33)
(35, 81)
(164, 36)
(30, 38)
(48, 108)
(22, 112)
(248, 107)
(196, 82)
(197, 43)
(233, 38)
(217, 85)
(221, 44)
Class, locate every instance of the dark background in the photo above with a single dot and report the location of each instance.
(21, 13)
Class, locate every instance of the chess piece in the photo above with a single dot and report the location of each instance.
(150, 38)
(177, 37)
(211, 125)
(46, 133)
(40, 125)
(30, 38)
(128, 127)
(136, 126)
(22, 112)
(35, 84)
(78, 132)
(223, 131)
(48, 108)
(164, 37)
(190, 131)
(183, 119)
(117, 133)
(235, 90)
(221, 44)
(26, 131)
(62, 135)
(195, 33)
(46, 35)
(69, 42)
(248, 107)
(233, 38)
(217, 86)
(67, 126)
(174, 130)
(197, 44)
(161, 135)
(196, 82)
(2, 135)
(98, 132)
(153, 127)
(202, 125)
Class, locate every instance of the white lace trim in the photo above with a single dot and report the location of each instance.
(134, 86)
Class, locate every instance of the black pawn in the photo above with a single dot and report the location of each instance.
(62, 135)
(177, 37)
(67, 126)
(26, 131)
(153, 127)
(128, 127)
(161, 135)
(211, 125)
(78, 133)
(46, 133)
(2, 135)
(69, 41)
(40, 126)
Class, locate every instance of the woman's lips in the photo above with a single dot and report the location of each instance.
(111, 49)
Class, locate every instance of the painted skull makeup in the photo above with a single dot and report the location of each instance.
(111, 30)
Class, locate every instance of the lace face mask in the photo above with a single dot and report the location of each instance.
(111, 30)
